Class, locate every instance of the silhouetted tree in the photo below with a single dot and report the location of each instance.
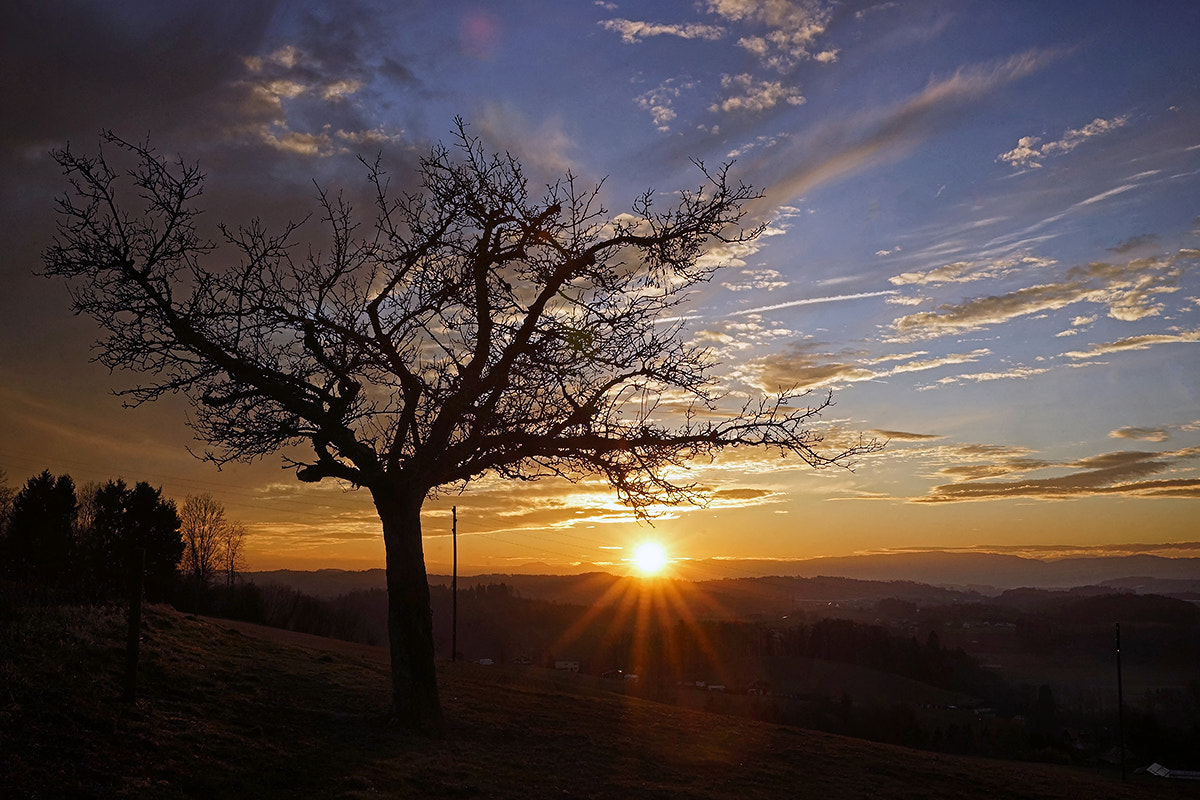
(128, 518)
(231, 560)
(474, 328)
(7, 494)
(39, 541)
(202, 525)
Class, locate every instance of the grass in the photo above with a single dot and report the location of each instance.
(227, 710)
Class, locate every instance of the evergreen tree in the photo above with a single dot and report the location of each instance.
(39, 542)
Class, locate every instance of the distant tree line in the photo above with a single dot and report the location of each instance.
(78, 543)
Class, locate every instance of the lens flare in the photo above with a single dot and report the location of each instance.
(650, 558)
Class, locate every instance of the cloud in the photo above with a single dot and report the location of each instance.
(762, 279)
(811, 301)
(660, 101)
(67, 70)
(1117, 473)
(541, 143)
(1127, 290)
(1145, 434)
(802, 365)
(749, 94)
(1017, 373)
(778, 35)
(633, 32)
(905, 436)
(783, 33)
(959, 272)
(844, 148)
(1135, 343)
(1030, 152)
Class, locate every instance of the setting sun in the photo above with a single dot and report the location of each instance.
(650, 558)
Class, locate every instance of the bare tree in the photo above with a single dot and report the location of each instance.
(475, 328)
(230, 557)
(203, 527)
(213, 542)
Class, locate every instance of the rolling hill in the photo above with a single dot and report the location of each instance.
(233, 710)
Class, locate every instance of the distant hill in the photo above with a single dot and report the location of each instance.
(986, 573)
(325, 583)
(980, 571)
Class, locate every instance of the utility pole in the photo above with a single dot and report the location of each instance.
(1120, 704)
(454, 586)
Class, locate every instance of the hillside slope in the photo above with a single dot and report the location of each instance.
(231, 710)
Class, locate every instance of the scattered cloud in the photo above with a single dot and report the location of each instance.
(1125, 472)
(761, 279)
(1030, 152)
(1017, 373)
(1135, 243)
(960, 272)
(1145, 434)
(747, 93)
(1135, 343)
(1128, 291)
(782, 33)
(804, 366)
(633, 32)
(660, 101)
(905, 436)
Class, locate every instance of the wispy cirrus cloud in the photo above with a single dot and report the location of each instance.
(808, 301)
(845, 148)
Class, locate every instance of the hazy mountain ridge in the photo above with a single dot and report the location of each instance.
(967, 573)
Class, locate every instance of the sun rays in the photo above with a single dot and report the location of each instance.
(652, 627)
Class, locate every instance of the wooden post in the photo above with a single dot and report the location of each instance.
(1120, 704)
(132, 641)
(454, 587)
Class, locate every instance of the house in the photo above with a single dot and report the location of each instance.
(567, 666)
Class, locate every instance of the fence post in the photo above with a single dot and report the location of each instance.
(132, 641)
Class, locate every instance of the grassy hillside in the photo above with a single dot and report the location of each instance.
(231, 710)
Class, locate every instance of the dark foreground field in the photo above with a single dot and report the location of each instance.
(239, 711)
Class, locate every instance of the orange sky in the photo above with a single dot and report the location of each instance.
(984, 236)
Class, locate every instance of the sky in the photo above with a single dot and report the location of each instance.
(983, 235)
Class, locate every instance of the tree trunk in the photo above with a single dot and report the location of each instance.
(415, 701)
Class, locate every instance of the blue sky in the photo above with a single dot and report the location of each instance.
(983, 235)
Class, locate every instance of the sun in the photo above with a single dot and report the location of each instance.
(649, 558)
